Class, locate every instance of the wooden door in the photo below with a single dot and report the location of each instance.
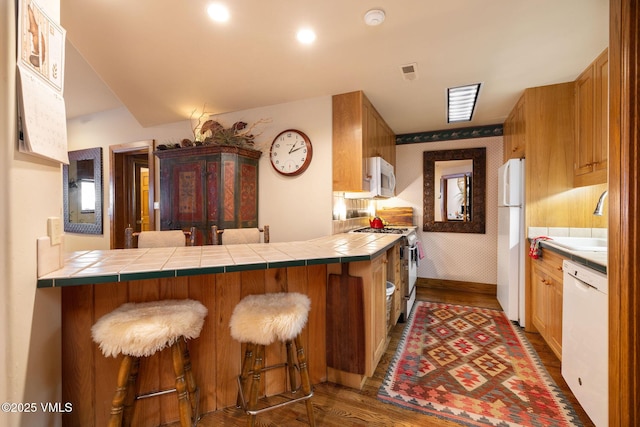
(144, 199)
(123, 182)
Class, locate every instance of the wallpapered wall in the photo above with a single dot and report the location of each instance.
(451, 256)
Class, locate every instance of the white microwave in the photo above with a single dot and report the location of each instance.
(378, 181)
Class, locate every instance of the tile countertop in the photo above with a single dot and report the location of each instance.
(595, 260)
(120, 265)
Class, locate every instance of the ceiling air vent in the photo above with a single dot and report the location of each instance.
(409, 71)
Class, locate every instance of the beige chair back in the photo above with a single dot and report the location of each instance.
(158, 239)
(237, 236)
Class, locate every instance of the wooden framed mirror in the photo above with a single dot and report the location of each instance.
(454, 190)
(82, 190)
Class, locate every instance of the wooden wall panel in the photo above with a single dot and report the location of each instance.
(107, 298)
(174, 288)
(297, 281)
(316, 348)
(276, 380)
(77, 356)
(89, 378)
(147, 411)
(228, 295)
(203, 349)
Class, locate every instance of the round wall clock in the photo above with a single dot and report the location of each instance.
(291, 152)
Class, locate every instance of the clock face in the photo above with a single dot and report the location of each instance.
(291, 152)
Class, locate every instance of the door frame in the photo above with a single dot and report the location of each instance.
(624, 212)
(120, 186)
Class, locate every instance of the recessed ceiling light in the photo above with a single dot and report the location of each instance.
(218, 12)
(374, 17)
(306, 36)
(461, 102)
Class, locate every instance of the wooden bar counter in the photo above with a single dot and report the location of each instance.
(96, 282)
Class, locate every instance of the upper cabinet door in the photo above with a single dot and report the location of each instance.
(358, 132)
(592, 129)
(514, 133)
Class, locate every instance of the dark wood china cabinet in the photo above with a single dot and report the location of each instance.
(209, 185)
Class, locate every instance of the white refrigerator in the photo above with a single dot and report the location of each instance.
(511, 239)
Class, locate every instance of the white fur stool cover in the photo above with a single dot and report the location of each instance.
(263, 319)
(141, 329)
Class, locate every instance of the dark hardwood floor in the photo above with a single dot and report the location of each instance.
(345, 407)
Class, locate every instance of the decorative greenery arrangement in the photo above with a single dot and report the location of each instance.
(212, 132)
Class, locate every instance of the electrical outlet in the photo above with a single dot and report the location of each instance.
(54, 230)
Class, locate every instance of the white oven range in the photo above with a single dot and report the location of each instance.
(409, 263)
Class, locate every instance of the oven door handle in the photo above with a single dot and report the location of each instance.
(413, 253)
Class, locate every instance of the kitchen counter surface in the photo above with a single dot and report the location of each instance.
(120, 265)
(594, 260)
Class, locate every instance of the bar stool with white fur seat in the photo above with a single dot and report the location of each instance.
(259, 320)
(138, 330)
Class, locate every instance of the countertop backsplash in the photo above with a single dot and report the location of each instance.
(567, 232)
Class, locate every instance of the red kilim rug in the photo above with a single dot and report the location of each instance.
(472, 366)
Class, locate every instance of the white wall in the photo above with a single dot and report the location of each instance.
(30, 191)
(451, 256)
(287, 204)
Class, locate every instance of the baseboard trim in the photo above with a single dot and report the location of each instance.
(457, 285)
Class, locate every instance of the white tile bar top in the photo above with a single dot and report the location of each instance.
(120, 265)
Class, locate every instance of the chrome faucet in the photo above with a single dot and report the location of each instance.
(600, 204)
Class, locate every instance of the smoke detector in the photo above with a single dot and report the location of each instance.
(374, 17)
(409, 71)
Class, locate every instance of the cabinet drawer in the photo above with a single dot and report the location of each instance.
(546, 276)
(551, 262)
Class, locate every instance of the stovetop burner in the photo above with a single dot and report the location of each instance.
(385, 230)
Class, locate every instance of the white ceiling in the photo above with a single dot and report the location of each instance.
(164, 58)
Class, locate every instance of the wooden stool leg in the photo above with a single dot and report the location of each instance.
(258, 364)
(184, 406)
(192, 388)
(291, 365)
(131, 392)
(122, 387)
(304, 378)
(247, 364)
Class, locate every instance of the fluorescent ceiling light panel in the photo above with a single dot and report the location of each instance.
(461, 102)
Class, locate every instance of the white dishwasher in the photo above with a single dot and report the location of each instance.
(585, 336)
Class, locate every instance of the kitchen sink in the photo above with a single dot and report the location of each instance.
(590, 244)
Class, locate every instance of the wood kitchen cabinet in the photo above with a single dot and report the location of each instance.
(356, 321)
(208, 185)
(592, 113)
(546, 281)
(394, 266)
(358, 132)
(549, 124)
(515, 133)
